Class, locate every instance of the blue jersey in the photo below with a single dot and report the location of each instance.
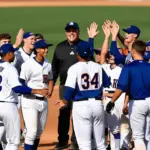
(85, 80)
(121, 58)
(135, 77)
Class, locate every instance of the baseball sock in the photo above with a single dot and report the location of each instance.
(36, 143)
(28, 147)
(117, 141)
(1, 148)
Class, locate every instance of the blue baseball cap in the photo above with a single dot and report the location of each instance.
(148, 43)
(41, 44)
(83, 49)
(132, 29)
(72, 25)
(97, 51)
(7, 48)
(28, 34)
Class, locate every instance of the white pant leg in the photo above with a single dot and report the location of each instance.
(42, 119)
(137, 112)
(125, 132)
(112, 141)
(98, 123)
(10, 118)
(30, 116)
(2, 130)
(82, 121)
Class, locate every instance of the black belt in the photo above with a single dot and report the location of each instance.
(39, 98)
(8, 102)
(110, 92)
(34, 97)
(86, 99)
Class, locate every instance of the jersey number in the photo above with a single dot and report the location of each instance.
(86, 82)
(115, 81)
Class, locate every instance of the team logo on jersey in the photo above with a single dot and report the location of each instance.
(72, 53)
(45, 78)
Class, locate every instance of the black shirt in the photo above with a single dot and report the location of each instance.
(64, 57)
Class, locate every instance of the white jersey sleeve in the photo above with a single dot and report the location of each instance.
(71, 78)
(13, 78)
(25, 72)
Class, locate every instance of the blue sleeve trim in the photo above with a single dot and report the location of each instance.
(106, 79)
(22, 81)
(68, 93)
(22, 89)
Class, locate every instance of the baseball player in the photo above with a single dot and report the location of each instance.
(25, 52)
(113, 71)
(9, 86)
(84, 84)
(135, 80)
(35, 107)
(5, 38)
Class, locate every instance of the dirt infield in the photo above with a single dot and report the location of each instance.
(35, 3)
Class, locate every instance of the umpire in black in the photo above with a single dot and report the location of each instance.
(64, 57)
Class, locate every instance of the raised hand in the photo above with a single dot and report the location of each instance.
(106, 31)
(92, 30)
(108, 23)
(19, 38)
(115, 28)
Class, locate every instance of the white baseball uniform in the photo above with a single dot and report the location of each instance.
(8, 105)
(113, 120)
(86, 80)
(35, 107)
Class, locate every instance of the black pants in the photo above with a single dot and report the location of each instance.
(64, 120)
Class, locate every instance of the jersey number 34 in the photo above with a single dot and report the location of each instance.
(87, 82)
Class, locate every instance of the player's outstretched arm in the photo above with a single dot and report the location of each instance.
(92, 30)
(19, 38)
(120, 37)
(106, 29)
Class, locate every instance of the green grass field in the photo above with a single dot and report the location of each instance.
(50, 21)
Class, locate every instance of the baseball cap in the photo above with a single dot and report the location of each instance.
(83, 49)
(97, 51)
(7, 48)
(41, 44)
(148, 43)
(28, 34)
(132, 29)
(71, 25)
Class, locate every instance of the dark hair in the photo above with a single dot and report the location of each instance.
(139, 46)
(5, 36)
(39, 36)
